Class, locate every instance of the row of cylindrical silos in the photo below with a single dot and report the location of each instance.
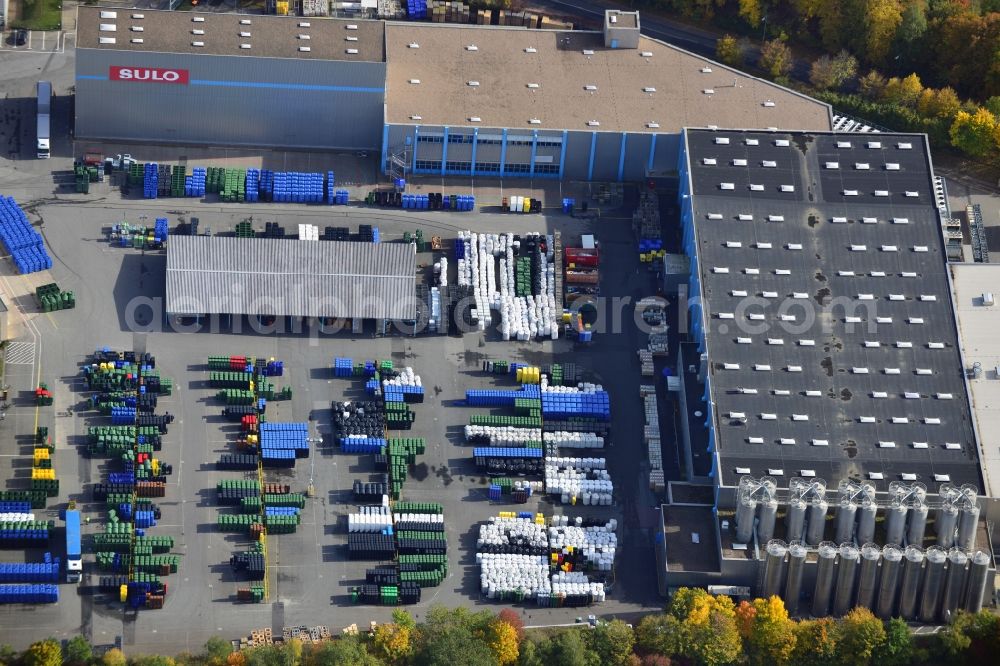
(927, 586)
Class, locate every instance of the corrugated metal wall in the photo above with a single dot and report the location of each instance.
(233, 100)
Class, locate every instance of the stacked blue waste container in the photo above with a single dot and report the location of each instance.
(22, 242)
(282, 443)
(416, 9)
(150, 180)
(331, 183)
(253, 185)
(194, 185)
(501, 398)
(160, 230)
(343, 367)
(266, 187)
(297, 187)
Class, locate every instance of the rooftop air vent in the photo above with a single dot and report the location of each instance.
(245, 46)
(876, 476)
(649, 89)
(753, 271)
(886, 445)
(874, 144)
(138, 16)
(805, 342)
(413, 45)
(416, 118)
(109, 15)
(756, 187)
(530, 49)
(833, 165)
(471, 47)
(415, 81)
(904, 146)
(109, 27)
(768, 103)
(739, 162)
(866, 419)
(588, 52)
(304, 49)
(107, 40)
(244, 34)
(351, 51)
(820, 442)
(137, 28)
(751, 142)
(727, 186)
(769, 164)
(782, 392)
(197, 44)
(709, 91)
(646, 54)
(899, 420)
(351, 26)
(706, 70)
(881, 193)
(879, 394)
(714, 216)
(304, 37)
(475, 119)
(137, 40)
(952, 446)
(908, 274)
(876, 274)
(782, 143)
(590, 87)
(245, 22)
(892, 166)
(908, 476)
(305, 24)
(851, 193)
(787, 188)
(775, 218)
(869, 220)
(473, 84)
(653, 125)
(533, 86)
(197, 19)
(534, 121)
(722, 141)
(593, 123)
(912, 194)
(350, 39)
(197, 32)
(794, 368)
(812, 393)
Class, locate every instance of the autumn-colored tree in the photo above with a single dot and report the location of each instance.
(966, 53)
(709, 626)
(655, 660)
(728, 52)
(860, 635)
(776, 58)
(402, 617)
(745, 613)
(237, 659)
(659, 633)
(752, 11)
(815, 643)
(43, 653)
(912, 28)
(504, 643)
(881, 21)
(910, 89)
(217, 651)
(872, 85)
(78, 652)
(983, 631)
(827, 72)
(831, 20)
(393, 642)
(943, 103)
(974, 134)
(513, 618)
(152, 660)
(612, 642)
(771, 639)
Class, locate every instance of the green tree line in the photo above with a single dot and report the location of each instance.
(696, 628)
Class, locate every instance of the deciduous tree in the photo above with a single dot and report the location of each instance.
(43, 653)
(568, 648)
(345, 651)
(772, 634)
(217, 651)
(897, 650)
(872, 85)
(392, 641)
(860, 635)
(751, 11)
(709, 626)
(881, 21)
(659, 633)
(974, 134)
(612, 642)
(78, 652)
(504, 643)
(513, 618)
(402, 617)
(776, 58)
(728, 52)
(815, 643)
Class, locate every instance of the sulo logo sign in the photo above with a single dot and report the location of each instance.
(150, 75)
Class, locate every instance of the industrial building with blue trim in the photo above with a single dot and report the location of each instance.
(430, 99)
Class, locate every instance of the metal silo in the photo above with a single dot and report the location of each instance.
(817, 521)
(968, 522)
(793, 581)
(774, 567)
(870, 554)
(946, 523)
(909, 590)
(765, 524)
(895, 523)
(745, 511)
(954, 583)
(917, 526)
(846, 512)
(795, 520)
(846, 575)
(976, 591)
(889, 585)
(866, 520)
(824, 579)
(930, 598)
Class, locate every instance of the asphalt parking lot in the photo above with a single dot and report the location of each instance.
(310, 574)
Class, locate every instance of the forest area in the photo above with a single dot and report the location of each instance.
(907, 65)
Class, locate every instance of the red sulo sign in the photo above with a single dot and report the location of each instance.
(150, 75)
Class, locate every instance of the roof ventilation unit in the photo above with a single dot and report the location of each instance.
(768, 103)
(924, 371)
(473, 84)
(756, 187)
(952, 446)
(874, 144)
(869, 220)
(708, 161)
(769, 164)
(646, 54)
(649, 89)
(305, 24)
(475, 119)
(244, 34)
(900, 220)
(782, 143)
(304, 37)
(820, 442)
(138, 16)
(706, 70)
(109, 15)
(904, 146)
(751, 142)
(588, 52)
(593, 123)
(739, 162)
(107, 40)
(833, 165)
(245, 46)
(843, 144)
(591, 87)
(530, 49)
(198, 44)
(804, 342)
(471, 47)
(350, 39)
(653, 125)
(534, 121)
(714, 216)
(197, 32)
(775, 218)
(745, 217)
(708, 91)
(415, 81)
(722, 141)
(782, 392)
(416, 118)
(839, 220)
(881, 193)
(109, 27)
(911, 194)
(787, 188)
(351, 51)
(812, 393)
(137, 28)
(351, 26)
(892, 166)
(727, 186)
(245, 22)
(533, 86)
(137, 41)
(794, 368)
(197, 19)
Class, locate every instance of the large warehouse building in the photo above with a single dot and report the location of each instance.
(434, 99)
(825, 380)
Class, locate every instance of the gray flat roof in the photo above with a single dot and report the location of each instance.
(835, 315)
(285, 277)
(978, 324)
(269, 36)
(559, 65)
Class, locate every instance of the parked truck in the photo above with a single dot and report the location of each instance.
(44, 90)
(74, 553)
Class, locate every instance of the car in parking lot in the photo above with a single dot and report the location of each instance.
(20, 37)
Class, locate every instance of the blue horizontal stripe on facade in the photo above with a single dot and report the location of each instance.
(256, 84)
